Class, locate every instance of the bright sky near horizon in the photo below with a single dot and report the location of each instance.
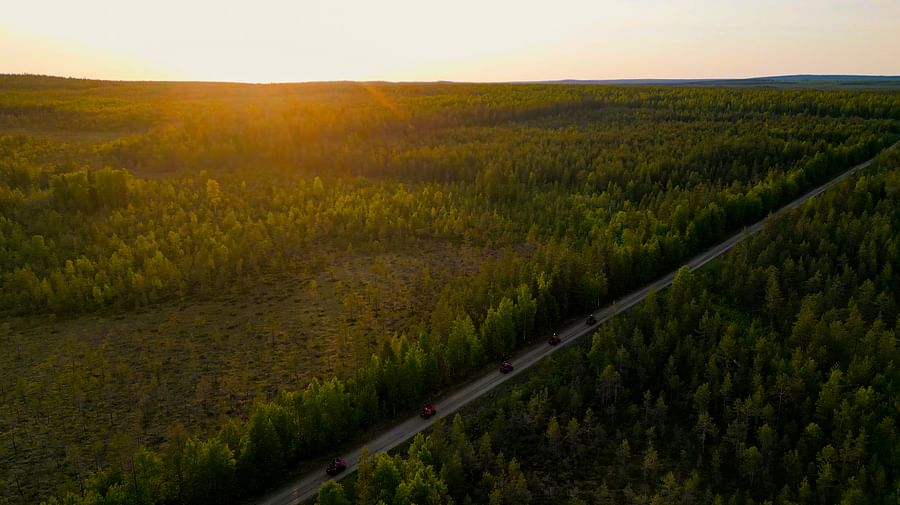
(461, 40)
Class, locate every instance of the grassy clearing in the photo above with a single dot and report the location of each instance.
(80, 393)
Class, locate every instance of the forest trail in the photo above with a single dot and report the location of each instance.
(305, 487)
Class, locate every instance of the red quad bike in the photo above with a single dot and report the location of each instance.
(554, 339)
(428, 411)
(336, 466)
(506, 367)
(591, 320)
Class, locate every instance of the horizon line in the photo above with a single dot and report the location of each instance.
(624, 80)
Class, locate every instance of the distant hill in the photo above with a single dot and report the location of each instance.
(800, 80)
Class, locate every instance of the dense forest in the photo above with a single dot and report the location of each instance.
(391, 239)
(770, 377)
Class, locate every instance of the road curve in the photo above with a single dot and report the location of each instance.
(306, 487)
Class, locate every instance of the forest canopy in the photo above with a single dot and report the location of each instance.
(532, 203)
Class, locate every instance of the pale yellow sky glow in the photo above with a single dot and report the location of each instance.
(462, 40)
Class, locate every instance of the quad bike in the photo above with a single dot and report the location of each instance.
(336, 466)
(428, 411)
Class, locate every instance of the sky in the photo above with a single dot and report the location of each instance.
(459, 40)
